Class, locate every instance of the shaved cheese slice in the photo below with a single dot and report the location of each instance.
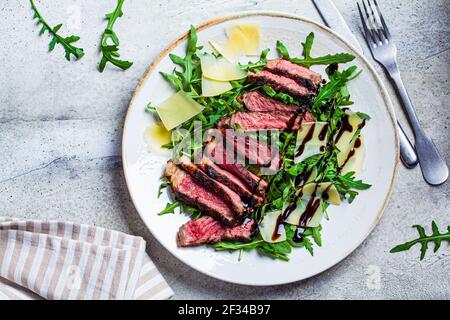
(325, 190)
(355, 158)
(211, 88)
(226, 51)
(310, 203)
(311, 140)
(271, 229)
(248, 35)
(242, 39)
(177, 109)
(220, 69)
(296, 216)
(345, 138)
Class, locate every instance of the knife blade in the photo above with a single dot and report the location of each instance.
(334, 20)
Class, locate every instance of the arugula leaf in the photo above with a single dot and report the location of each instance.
(307, 61)
(363, 116)
(189, 78)
(282, 50)
(307, 46)
(170, 208)
(333, 88)
(162, 186)
(324, 60)
(349, 180)
(110, 51)
(283, 97)
(423, 240)
(256, 66)
(66, 42)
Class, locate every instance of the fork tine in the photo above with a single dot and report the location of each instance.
(376, 21)
(372, 28)
(386, 30)
(371, 41)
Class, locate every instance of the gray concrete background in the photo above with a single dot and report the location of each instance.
(61, 123)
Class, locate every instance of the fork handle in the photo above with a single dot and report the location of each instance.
(433, 166)
(407, 153)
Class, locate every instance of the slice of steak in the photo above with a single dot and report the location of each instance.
(201, 231)
(280, 83)
(188, 190)
(256, 101)
(231, 181)
(206, 230)
(299, 74)
(256, 152)
(230, 197)
(217, 153)
(242, 233)
(277, 120)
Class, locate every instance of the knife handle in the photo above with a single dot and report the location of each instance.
(407, 152)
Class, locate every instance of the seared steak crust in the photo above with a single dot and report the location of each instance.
(231, 181)
(256, 184)
(188, 190)
(280, 83)
(303, 76)
(229, 196)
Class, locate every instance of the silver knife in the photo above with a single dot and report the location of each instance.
(334, 20)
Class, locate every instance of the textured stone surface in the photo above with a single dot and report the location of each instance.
(61, 123)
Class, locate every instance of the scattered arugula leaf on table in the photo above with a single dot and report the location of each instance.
(109, 44)
(66, 42)
(437, 237)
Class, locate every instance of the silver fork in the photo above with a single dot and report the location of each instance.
(383, 49)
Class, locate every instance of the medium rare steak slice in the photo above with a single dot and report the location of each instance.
(278, 120)
(280, 83)
(217, 152)
(231, 181)
(256, 101)
(301, 75)
(257, 152)
(188, 190)
(230, 197)
(207, 230)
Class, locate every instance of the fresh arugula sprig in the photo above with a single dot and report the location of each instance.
(109, 44)
(66, 42)
(258, 65)
(189, 78)
(307, 60)
(437, 237)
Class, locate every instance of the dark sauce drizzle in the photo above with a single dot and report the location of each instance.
(307, 138)
(298, 234)
(275, 234)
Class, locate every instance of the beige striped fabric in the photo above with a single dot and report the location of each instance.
(67, 261)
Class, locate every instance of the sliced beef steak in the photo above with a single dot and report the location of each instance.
(256, 152)
(231, 181)
(280, 83)
(256, 101)
(217, 153)
(207, 230)
(299, 74)
(277, 120)
(229, 196)
(188, 190)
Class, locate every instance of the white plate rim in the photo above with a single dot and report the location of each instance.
(271, 13)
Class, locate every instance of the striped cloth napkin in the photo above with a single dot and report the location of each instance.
(63, 260)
